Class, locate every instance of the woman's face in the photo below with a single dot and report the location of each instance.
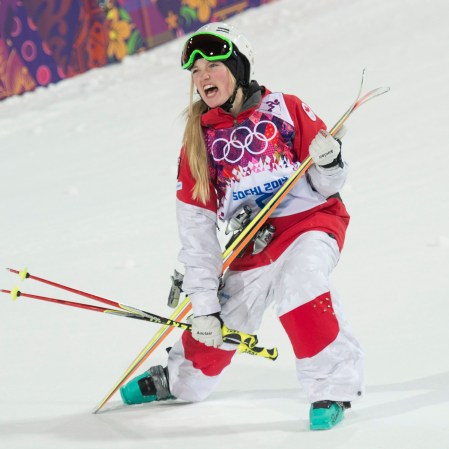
(213, 81)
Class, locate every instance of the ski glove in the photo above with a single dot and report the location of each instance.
(325, 150)
(207, 329)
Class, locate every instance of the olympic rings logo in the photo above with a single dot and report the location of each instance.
(233, 150)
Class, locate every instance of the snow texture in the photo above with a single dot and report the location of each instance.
(87, 198)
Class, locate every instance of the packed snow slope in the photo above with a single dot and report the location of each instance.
(87, 198)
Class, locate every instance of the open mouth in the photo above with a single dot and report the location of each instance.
(210, 90)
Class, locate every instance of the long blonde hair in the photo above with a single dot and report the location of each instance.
(195, 147)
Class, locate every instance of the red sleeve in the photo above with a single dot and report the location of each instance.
(307, 125)
(186, 183)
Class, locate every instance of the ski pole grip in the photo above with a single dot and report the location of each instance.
(238, 337)
(271, 354)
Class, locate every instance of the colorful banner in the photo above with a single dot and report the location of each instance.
(45, 42)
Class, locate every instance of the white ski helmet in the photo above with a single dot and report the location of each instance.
(241, 44)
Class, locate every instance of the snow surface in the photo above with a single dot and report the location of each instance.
(87, 199)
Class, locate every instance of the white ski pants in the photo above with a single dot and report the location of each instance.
(328, 358)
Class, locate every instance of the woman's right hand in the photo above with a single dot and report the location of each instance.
(207, 329)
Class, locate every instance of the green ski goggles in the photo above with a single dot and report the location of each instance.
(209, 46)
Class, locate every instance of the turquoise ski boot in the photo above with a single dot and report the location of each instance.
(327, 414)
(150, 386)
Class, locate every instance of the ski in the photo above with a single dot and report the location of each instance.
(181, 311)
(249, 232)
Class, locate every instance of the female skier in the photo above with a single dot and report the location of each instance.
(241, 143)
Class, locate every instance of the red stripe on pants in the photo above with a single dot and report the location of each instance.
(312, 326)
(211, 361)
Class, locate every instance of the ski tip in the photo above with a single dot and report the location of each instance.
(97, 409)
(379, 91)
(23, 274)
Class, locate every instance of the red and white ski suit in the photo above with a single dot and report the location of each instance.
(250, 157)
